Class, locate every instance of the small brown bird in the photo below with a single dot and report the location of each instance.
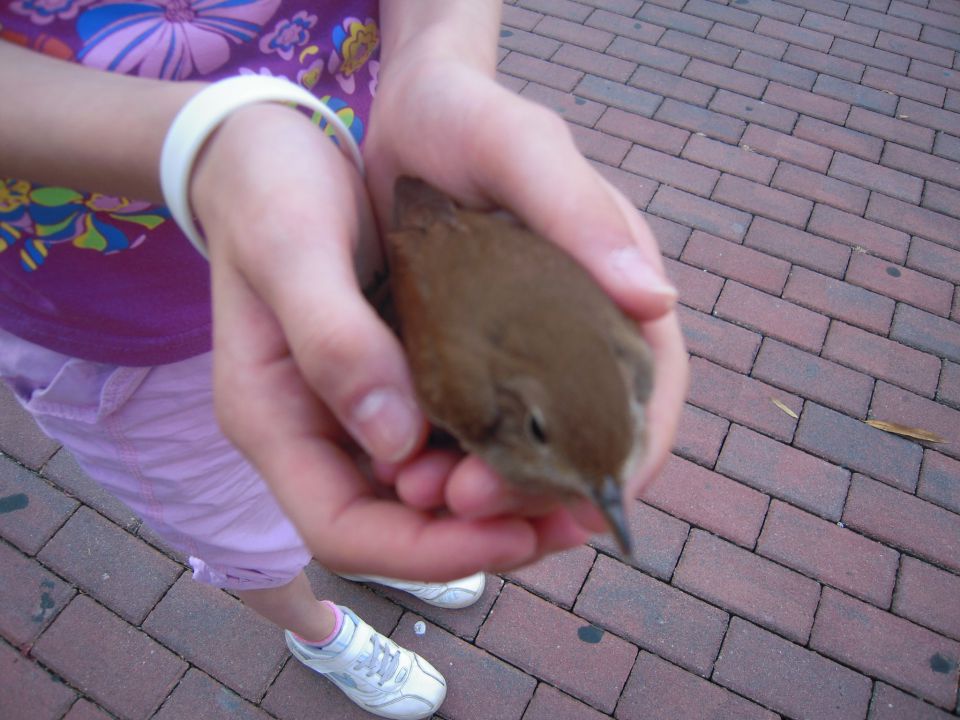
(517, 351)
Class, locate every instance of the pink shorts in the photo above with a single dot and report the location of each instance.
(149, 436)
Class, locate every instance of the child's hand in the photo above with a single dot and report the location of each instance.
(299, 356)
(440, 116)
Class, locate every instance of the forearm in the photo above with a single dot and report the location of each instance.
(463, 29)
(65, 124)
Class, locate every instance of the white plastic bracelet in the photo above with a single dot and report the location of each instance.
(204, 112)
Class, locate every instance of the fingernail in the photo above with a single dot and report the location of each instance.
(630, 263)
(386, 424)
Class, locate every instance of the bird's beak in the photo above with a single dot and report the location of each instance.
(609, 498)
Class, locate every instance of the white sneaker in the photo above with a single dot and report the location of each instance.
(373, 671)
(452, 595)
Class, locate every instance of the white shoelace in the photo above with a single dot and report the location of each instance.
(386, 666)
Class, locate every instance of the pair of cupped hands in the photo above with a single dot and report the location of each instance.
(312, 385)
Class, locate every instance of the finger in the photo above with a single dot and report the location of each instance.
(559, 531)
(420, 483)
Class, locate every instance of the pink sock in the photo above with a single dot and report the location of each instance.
(337, 624)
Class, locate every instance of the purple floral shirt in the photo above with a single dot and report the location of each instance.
(111, 279)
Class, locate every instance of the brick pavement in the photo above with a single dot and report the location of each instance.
(799, 161)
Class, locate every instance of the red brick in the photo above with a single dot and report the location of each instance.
(557, 577)
(722, 342)
(882, 358)
(900, 283)
(700, 213)
(548, 73)
(560, 8)
(737, 262)
(722, 13)
(748, 585)
(929, 167)
(788, 678)
(575, 33)
(652, 614)
(658, 690)
(762, 200)
(926, 332)
(20, 438)
(904, 86)
(943, 38)
(298, 692)
(27, 691)
(527, 42)
(824, 63)
(671, 236)
(870, 56)
(573, 108)
(753, 110)
(830, 553)
(810, 376)
(942, 199)
(709, 500)
(511, 83)
(785, 147)
(670, 170)
(949, 390)
(885, 646)
(771, 8)
(922, 14)
(594, 63)
(794, 34)
(643, 131)
(821, 188)
(669, 85)
(840, 300)
(638, 190)
(648, 56)
(471, 673)
(934, 259)
(700, 435)
(656, 538)
(673, 19)
(626, 26)
(625, 7)
(199, 696)
(749, 42)
(904, 521)
(772, 316)
(765, 66)
(599, 146)
(839, 28)
(891, 704)
(921, 592)
(902, 406)
(698, 47)
(859, 233)
(111, 662)
(855, 94)
(542, 639)
(35, 509)
(696, 119)
(30, 597)
(940, 480)
(698, 289)
(725, 77)
(798, 247)
(858, 446)
(882, 21)
(550, 704)
(513, 16)
(914, 49)
(219, 635)
(123, 573)
(929, 116)
(946, 145)
(64, 472)
(934, 74)
(806, 102)
(618, 95)
(784, 472)
(730, 158)
(839, 138)
(85, 710)
(888, 128)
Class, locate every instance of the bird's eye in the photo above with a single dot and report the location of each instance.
(535, 427)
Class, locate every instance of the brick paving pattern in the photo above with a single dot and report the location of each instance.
(799, 162)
